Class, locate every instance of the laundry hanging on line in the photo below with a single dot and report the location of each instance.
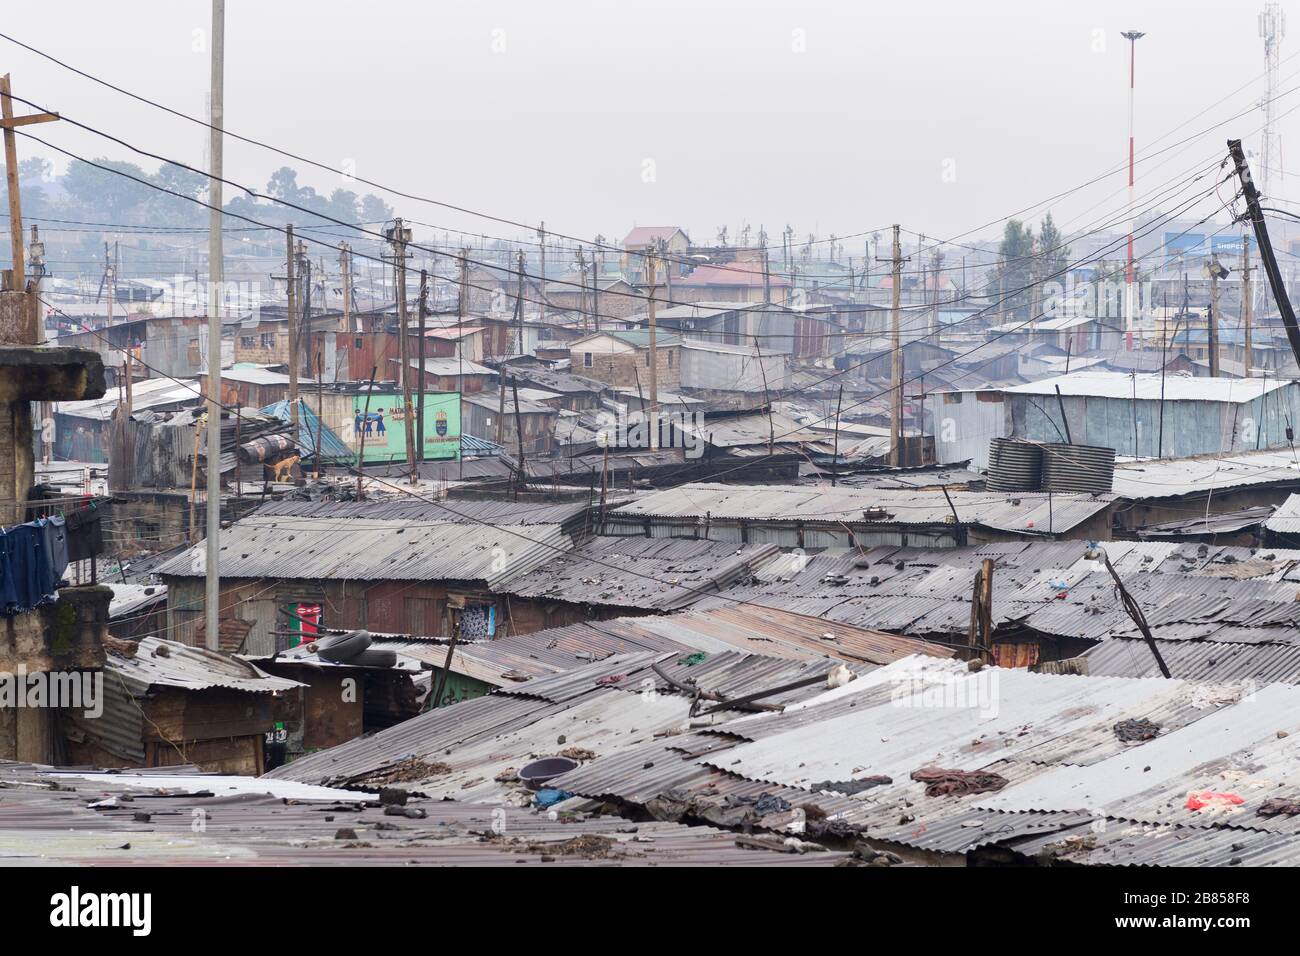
(33, 557)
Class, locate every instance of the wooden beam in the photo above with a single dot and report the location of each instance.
(9, 122)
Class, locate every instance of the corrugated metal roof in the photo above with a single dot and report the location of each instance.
(279, 823)
(1239, 748)
(150, 393)
(1286, 517)
(1026, 513)
(1197, 660)
(374, 549)
(130, 598)
(1167, 478)
(659, 574)
(405, 509)
(1152, 387)
(161, 663)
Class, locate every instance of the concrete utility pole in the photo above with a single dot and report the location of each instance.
(399, 236)
(212, 614)
(462, 307)
(1129, 303)
(896, 361)
(423, 315)
(1247, 306)
(652, 416)
(292, 279)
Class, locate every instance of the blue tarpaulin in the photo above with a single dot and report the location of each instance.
(331, 446)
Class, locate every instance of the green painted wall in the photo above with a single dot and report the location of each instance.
(441, 426)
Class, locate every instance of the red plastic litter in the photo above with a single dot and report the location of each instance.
(1201, 799)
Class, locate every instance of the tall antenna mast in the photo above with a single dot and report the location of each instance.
(1272, 27)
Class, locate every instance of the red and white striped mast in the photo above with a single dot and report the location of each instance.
(1129, 303)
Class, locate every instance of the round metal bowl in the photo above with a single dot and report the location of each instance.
(536, 774)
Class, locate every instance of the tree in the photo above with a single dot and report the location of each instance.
(112, 191)
(1010, 278)
(374, 209)
(1055, 253)
(178, 179)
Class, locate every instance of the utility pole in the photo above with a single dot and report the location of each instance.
(423, 314)
(519, 307)
(128, 373)
(597, 261)
(519, 436)
(896, 360)
(839, 404)
(654, 356)
(1132, 36)
(292, 280)
(35, 331)
(1134, 612)
(345, 266)
(212, 614)
(462, 306)
(767, 400)
(1247, 306)
(399, 236)
(1266, 255)
(541, 237)
(1212, 336)
(582, 289)
(767, 272)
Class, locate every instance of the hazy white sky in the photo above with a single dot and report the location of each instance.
(597, 115)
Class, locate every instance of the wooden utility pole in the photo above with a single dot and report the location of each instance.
(501, 405)
(1213, 330)
(839, 403)
(1267, 258)
(979, 636)
(767, 400)
(541, 236)
(361, 454)
(767, 270)
(345, 267)
(582, 289)
(896, 361)
(1135, 613)
(519, 436)
(1247, 306)
(653, 420)
(292, 281)
(399, 236)
(320, 412)
(596, 263)
(519, 307)
(419, 413)
(194, 477)
(17, 273)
